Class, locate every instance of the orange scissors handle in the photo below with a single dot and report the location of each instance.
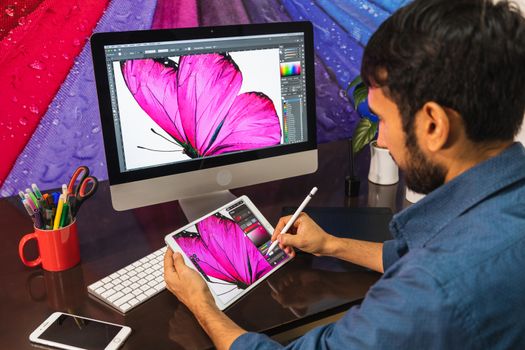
(82, 193)
(84, 170)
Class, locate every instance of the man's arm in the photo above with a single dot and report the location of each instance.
(363, 253)
(306, 235)
(219, 327)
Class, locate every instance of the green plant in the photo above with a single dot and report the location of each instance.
(366, 129)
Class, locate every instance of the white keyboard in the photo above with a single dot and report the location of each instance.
(132, 285)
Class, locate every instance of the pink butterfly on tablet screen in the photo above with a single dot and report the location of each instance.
(197, 102)
(221, 250)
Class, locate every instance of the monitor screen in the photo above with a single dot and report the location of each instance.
(180, 101)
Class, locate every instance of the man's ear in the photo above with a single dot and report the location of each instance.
(433, 127)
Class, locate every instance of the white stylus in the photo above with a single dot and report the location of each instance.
(293, 218)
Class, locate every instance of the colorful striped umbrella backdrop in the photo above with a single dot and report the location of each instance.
(49, 118)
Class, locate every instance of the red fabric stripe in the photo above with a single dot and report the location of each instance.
(35, 59)
(12, 15)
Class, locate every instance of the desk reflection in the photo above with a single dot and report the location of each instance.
(190, 335)
(299, 289)
(63, 290)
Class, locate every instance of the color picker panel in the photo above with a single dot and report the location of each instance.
(290, 68)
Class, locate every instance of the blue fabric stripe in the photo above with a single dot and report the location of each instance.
(390, 5)
(358, 18)
(338, 51)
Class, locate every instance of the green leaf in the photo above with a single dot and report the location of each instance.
(360, 94)
(363, 134)
(354, 83)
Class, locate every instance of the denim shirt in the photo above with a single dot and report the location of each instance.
(454, 272)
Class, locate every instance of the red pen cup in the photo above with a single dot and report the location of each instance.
(58, 249)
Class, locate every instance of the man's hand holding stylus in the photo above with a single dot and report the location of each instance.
(304, 234)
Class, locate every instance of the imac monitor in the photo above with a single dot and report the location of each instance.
(194, 111)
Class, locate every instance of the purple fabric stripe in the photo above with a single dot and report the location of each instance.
(336, 119)
(175, 14)
(217, 12)
(69, 134)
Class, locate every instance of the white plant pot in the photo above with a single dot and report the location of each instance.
(413, 197)
(383, 169)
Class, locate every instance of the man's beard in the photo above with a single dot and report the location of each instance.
(421, 175)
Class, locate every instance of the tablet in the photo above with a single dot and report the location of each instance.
(228, 248)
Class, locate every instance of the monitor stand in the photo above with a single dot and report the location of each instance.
(195, 207)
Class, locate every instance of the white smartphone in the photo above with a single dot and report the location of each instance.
(71, 332)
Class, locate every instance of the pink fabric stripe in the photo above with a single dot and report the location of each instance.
(175, 14)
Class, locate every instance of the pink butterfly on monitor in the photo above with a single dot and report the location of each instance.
(220, 249)
(197, 102)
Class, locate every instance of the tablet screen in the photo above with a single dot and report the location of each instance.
(229, 249)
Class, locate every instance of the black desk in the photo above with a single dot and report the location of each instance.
(306, 290)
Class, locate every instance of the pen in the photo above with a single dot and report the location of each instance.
(63, 218)
(22, 195)
(293, 218)
(58, 214)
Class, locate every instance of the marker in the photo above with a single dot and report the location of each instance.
(32, 195)
(37, 192)
(64, 190)
(38, 219)
(56, 196)
(30, 202)
(292, 220)
(28, 207)
(22, 195)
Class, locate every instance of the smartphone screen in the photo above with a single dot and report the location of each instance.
(80, 332)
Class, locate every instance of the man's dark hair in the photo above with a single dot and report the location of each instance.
(467, 55)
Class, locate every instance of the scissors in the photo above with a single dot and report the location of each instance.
(86, 187)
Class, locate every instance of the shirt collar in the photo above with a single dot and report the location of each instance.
(423, 220)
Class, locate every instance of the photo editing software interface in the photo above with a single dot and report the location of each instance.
(174, 101)
(230, 250)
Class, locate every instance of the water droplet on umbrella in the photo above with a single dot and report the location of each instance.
(55, 121)
(22, 121)
(45, 55)
(76, 42)
(52, 172)
(38, 65)
(9, 126)
(21, 21)
(65, 56)
(25, 171)
(10, 11)
(78, 113)
(33, 109)
(95, 130)
(86, 152)
(7, 192)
